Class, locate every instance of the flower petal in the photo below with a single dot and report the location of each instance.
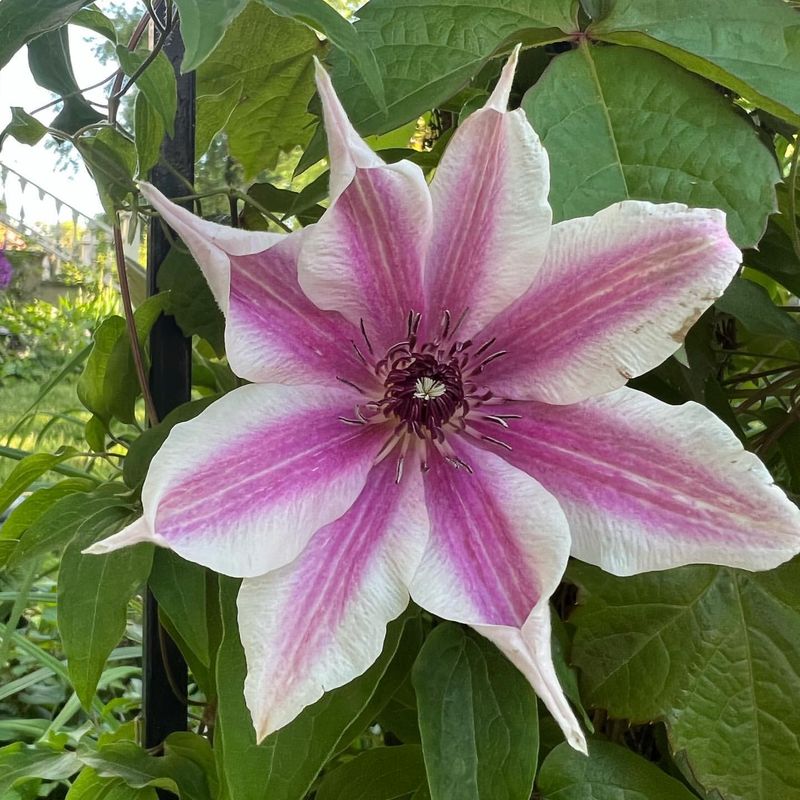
(320, 621)
(615, 296)
(364, 258)
(347, 151)
(243, 487)
(273, 332)
(490, 210)
(649, 486)
(498, 547)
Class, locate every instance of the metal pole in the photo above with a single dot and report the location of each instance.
(164, 670)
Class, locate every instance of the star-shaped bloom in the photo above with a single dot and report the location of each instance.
(437, 410)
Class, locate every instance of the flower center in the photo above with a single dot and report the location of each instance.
(430, 390)
(423, 392)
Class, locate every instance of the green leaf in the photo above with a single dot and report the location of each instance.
(51, 66)
(202, 27)
(441, 48)
(750, 46)
(285, 765)
(184, 769)
(271, 58)
(108, 386)
(623, 123)
(776, 258)
(143, 449)
(609, 773)
(751, 304)
(179, 587)
(90, 786)
(715, 652)
(383, 773)
(319, 15)
(111, 160)
(23, 127)
(31, 509)
(23, 20)
(149, 135)
(157, 83)
(191, 301)
(93, 595)
(95, 20)
(97, 387)
(19, 762)
(477, 716)
(58, 524)
(27, 471)
(214, 112)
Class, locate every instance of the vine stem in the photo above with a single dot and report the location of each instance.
(793, 197)
(130, 322)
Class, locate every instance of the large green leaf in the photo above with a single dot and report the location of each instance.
(157, 83)
(23, 127)
(319, 16)
(623, 123)
(750, 46)
(51, 66)
(23, 20)
(713, 651)
(149, 128)
(271, 57)
(191, 301)
(19, 762)
(478, 719)
(108, 386)
(27, 471)
(93, 595)
(428, 50)
(111, 160)
(90, 786)
(383, 773)
(751, 304)
(285, 765)
(56, 525)
(185, 769)
(203, 24)
(609, 773)
(179, 587)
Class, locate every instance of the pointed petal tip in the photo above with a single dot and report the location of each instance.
(577, 740)
(502, 91)
(135, 533)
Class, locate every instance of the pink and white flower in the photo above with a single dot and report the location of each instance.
(438, 411)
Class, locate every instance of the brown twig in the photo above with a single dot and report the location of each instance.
(130, 322)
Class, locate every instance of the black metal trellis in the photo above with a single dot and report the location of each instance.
(164, 677)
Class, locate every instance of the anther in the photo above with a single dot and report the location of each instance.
(366, 338)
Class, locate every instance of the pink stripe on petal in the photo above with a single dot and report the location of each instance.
(491, 216)
(499, 542)
(497, 550)
(243, 487)
(616, 295)
(320, 621)
(649, 486)
(273, 332)
(364, 258)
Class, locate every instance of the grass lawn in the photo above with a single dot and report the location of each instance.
(58, 420)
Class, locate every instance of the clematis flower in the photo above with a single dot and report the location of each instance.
(437, 410)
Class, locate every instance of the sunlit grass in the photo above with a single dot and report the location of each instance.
(57, 421)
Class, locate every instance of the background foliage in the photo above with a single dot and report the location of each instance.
(688, 679)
